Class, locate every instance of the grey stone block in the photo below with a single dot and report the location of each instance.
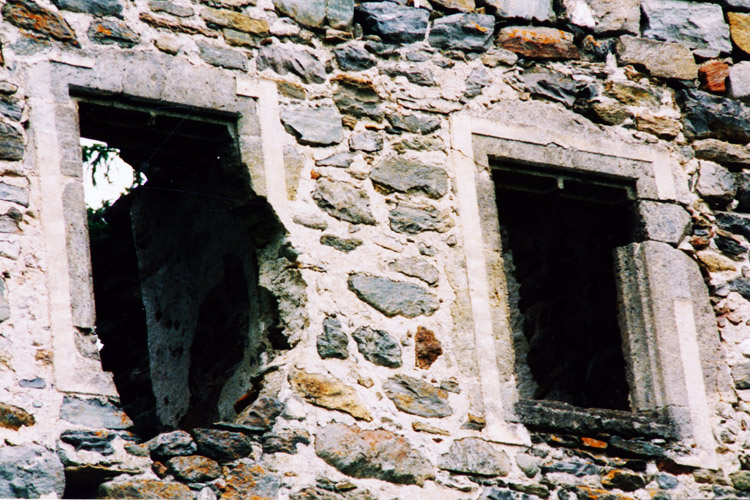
(406, 174)
(539, 10)
(715, 182)
(378, 346)
(709, 116)
(93, 412)
(665, 222)
(314, 126)
(93, 7)
(222, 57)
(475, 456)
(343, 201)
(469, 32)
(14, 194)
(393, 297)
(696, 25)
(30, 471)
(739, 81)
(392, 22)
(604, 15)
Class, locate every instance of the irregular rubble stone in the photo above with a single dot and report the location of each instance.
(358, 98)
(667, 482)
(93, 7)
(427, 348)
(392, 22)
(13, 417)
(623, 480)
(635, 448)
(341, 244)
(172, 444)
(475, 456)
(339, 160)
(34, 383)
(112, 32)
(285, 441)
(418, 74)
(30, 471)
(415, 219)
(340, 13)
(378, 454)
(665, 127)
(735, 223)
(328, 392)
(314, 493)
(589, 493)
(538, 43)
(632, 94)
(539, 10)
(312, 221)
(178, 26)
(332, 343)
(240, 22)
(716, 183)
(664, 59)
(367, 141)
(604, 15)
(469, 32)
(89, 440)
(713, 76)
(740, 480)
(528, 464)
(314, 126)
(706, 115)
(393, 297)
(416, 397)
(727, 243)
(741, 375)
(496, 56)
(170, 8)
(665, 222)
(343, 201)
(222, 57)
(739, 81)
(353, 57)
(11, 142)
(193, 468)
(261, 414)
(248, 481)
(460, 5)
(93, 412)
(552, 85)
(739, 27)
(416, 268)
(478, 79)
(419, 144)
(44, 23)
(220, 445)
(415, 123)
(144, 488)
(284, 59)
(406, 174)
(722, 152)
(576, 468)
(378, 346)
(714, 262)
(693, 24)
(307, 12)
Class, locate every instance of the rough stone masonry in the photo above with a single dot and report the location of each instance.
(359, 377)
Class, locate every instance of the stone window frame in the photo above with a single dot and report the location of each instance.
(665, 302)
(55, 157)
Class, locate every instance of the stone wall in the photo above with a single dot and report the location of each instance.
(389, 381)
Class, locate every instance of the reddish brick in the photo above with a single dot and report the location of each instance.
(538, 43)
(713, 76)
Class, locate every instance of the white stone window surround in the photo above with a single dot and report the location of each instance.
(55, 156)
(666, 329)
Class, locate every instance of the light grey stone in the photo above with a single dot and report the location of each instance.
(4, 305)
(340, 13)
(416, 397)
(415, 219)
(740, 4)
(93, 412)
(469, 32)
(418, 74)
(475, 456)
(341, 244)
(416, 268)
(312, 221)
(667, 222)
(392, 22)
(358, 98)
(307, 12)
(367, 141)
(406, 174)
(739, 81)
(528, 464)
(30, 471)
(664, 59)
(314, 126)
(416, 123)
(285, 59)
(694, 24)
(604, 15)
(478, 79)
(378, 346)
(340, 160)
(222, 57)
(741, 375)
(343, 201)
(715, 182)
(393, 297)
(539, 10)
(551, 84)
(170, 8)
(332, 343)
(93, 7)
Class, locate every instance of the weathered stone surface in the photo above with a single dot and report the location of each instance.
(667, 222)
(43, 23)
(623, 480)
(667, 482)
(353, 57)
(735, 223)
(222, 57)
(339, 160)
(427, 348)
(469, 32)
(722, 152)
(340, 13)
(172, 444)
(376, 454)
(475, 456)
(604, 15)
(393, 297)
(459, 5)
(713, 76)
(693, 24)
(144, 488)
(416, 268)
(633, 94)
(407, 174)
(710, 116)
(415, 123)
(342, 244)
(539, 10)
(285, 441)
(392, 22)
(739, 27)
(307, 12)
(314, 126)
(240, 22)
(170, 8)
(635, 448)
(378, 346)
(416, 397)
(14, 194)
(178, 26)
(551, 84)
(332, 343)
(343, 201)
(193, 468)
(740, 480)
(538, 43)
(30, 471)
(741, 375)
(664, 59)
(478, 79)
(284, 59)
(261, 414)
(414, 219)
(367, 141)
(418, 74)
(223, 446)
(666, 127)
(328, 392)
(94, 413)
(358, 97)
(89, 440)
(112, 32)
(739, 81)
(312, 221)
(93, 7)
(715, 182)
(13, 417)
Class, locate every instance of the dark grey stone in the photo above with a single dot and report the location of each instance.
(223, 446)
(733, 222)
(415, 219)
(285, 59)
(393, 297)
(33, 383)
(14, 194)
(314, 126)
(730, 244)
(636, 448)
(706, 115)
(342, 244)
(93, 7)
(11, 143)
(715, 183)
(358, 98)
(416, 74)
(172, 444)
(352, 57)
(478, 79)
(475, 456)
(30, 471)
(378, 347)
(694, 24)
(743, 192)
(340, 160)
(93, 412)
(222, 57)
(343, 201)
(741, 375)
(416, 268)
(392, 22)
(416, 397)
(367, 141)
(90, 440)
(551, 84)
(285, 441)
(405, 174)
(12, 109)
(332, 343)
(260, 416)
(112, 32)
(416, 123)
(469, 32)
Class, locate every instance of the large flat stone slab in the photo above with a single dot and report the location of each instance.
(393, 298)
(693, 24)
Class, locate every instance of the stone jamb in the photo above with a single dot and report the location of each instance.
(476, 142)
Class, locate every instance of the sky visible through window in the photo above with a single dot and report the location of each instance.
(113, 177)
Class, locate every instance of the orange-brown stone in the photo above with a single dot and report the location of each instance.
(427, 348)
(13, 417)
(538, 43)
(41, 23)
(593, 443)
(145, 488)
(713, 76)
(739, 27)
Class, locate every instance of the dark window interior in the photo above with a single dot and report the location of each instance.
(558, 234)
